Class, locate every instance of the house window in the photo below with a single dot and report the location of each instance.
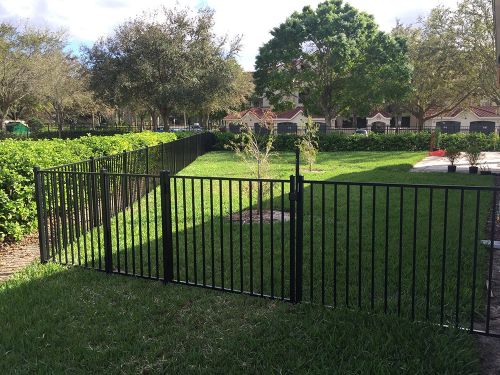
(347, 123)
(449, 127)
(321, 127)
(287, 128)
(260, 130)
(235, 128)
(405, 121)
(486, 127)
(361, 122)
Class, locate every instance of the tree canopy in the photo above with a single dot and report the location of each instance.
(24, 56)
(440, 78)
(167, 61)
(336, 57)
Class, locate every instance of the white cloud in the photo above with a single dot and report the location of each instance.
(90, 19)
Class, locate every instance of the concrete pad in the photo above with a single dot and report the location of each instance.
(489, 161)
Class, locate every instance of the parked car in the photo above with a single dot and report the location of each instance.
(196, 128)
(362, 132)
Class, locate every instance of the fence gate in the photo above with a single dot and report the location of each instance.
(231, 234)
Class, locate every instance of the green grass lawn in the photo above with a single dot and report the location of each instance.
(57, 320)
(366, 263)
(342, 268)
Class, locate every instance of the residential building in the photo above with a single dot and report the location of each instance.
(485, 119)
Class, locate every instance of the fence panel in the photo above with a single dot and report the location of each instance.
(410, 250)
(232, 234)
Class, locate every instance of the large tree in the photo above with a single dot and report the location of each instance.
(443, 69)
(66, 89)
(24, 67)
(168, 61)
(336, 57)
(476, 33)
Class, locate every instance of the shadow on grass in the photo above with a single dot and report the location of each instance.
(57, 320)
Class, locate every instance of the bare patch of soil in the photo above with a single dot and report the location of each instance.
(314, 170)
(267, 217)
(15, 256)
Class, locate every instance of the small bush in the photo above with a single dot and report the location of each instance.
(35, 124)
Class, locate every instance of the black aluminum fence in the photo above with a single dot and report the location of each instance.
(423, 252)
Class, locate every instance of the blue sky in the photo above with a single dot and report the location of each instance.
(85, 21)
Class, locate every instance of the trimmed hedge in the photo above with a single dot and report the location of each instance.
(18, 157)
(74, 134)
(378, 142)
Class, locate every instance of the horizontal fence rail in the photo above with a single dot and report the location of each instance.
(418, 251)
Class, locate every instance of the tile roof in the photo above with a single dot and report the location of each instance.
(383, 113)
(479, 111)
(258, 112)
(290, 113)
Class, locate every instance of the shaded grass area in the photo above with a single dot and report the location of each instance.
(376, 255)
(56, 320)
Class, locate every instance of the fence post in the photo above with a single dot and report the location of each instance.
(106, 219)
(124, 161)
(40, 198)
(297, 164)
(166, 225)
(292, 199)
(94, 222)
(300, 236)
(162, 156)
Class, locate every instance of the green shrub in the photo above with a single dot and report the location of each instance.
(223, 139)
(18, 157)
(379, 142)
(35, 124)
(464, 140)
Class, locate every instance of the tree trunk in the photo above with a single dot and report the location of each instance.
(2, 119)
(164, 116)
(328, 119)
(59, 123)
(141, 122)
(185, 119)
(420, 122)
(154, 120)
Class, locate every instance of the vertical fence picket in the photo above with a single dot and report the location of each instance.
(166, 220)
(106, 219)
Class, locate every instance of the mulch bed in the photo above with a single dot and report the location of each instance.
(15, 256)
(267, 217)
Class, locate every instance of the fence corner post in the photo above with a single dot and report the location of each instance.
(166, 224)
(106, 221)
(299, 247)
(292, 200)
(297, 164)
(39, 197)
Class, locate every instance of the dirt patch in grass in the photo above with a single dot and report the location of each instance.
(16, 256)
(314, 170)
(267, 216)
